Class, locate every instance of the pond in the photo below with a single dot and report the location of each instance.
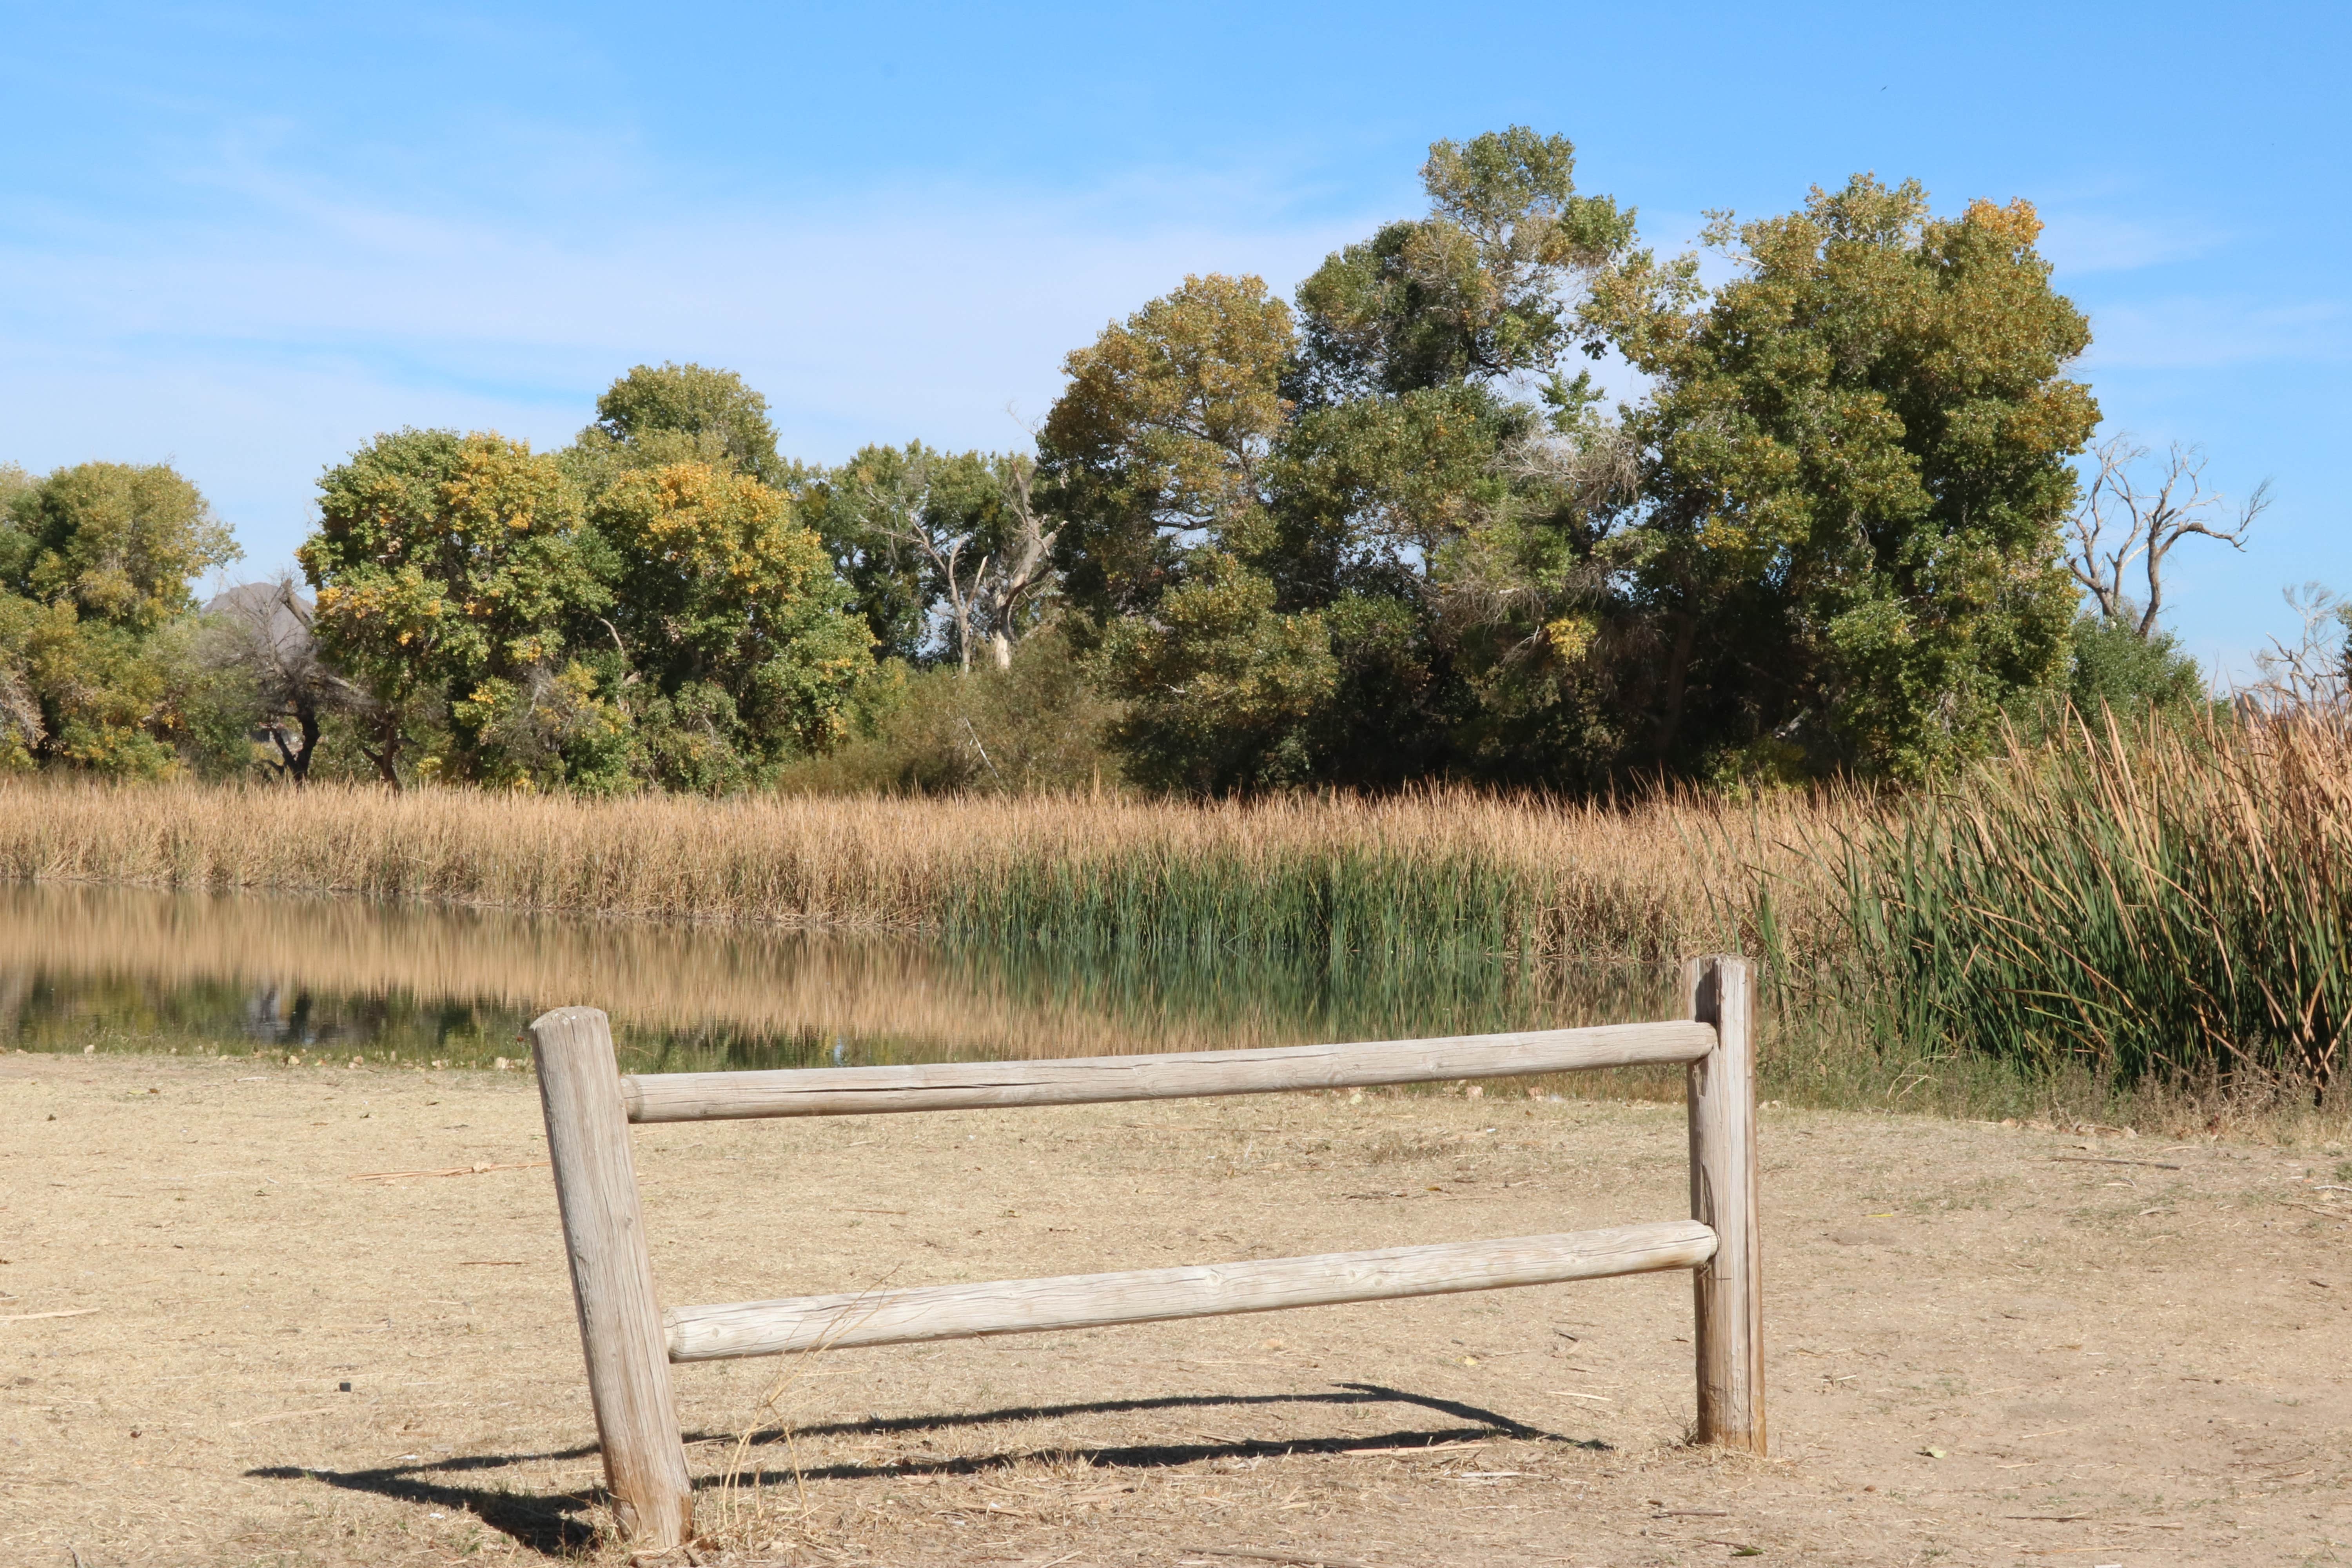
(85, 969)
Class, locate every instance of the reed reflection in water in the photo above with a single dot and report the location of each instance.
(124, 969)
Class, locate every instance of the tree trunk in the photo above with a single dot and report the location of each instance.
(386, 758)
(298, 766)
(1677, 683)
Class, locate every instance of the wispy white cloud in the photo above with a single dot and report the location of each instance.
(2080, 241)
(2203, 333)
(259, 348)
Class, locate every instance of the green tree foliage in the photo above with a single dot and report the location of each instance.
(857, 510)
(895, 520)
(732, 626)
(659, 415)
(2113, 665)
(1523, 602)
(95, 561)
(1338, 479)
(1161, 440)
(1825, 540)
(594, 622)
(1383, 536)
(1470, 292)
(117, 543)
(1222, 691)
(453, 579)
(1372, 502)
(1039, 723)
(1844, 552)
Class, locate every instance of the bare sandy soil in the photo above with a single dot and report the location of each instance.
(1987, 1346)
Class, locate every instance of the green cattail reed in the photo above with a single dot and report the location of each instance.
(2138, 901)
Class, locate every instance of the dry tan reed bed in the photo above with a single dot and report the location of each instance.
(2120, 909)
(1631, 882)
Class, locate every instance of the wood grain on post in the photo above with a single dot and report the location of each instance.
(1082, 1080)
(1153, 1295)
(1729, 1335)
(613, 1276)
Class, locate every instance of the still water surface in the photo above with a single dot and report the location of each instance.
(329, 980)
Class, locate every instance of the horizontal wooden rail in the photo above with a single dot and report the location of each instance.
(1082, 1081)
(1150, 1295)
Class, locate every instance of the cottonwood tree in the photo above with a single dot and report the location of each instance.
(455, 581)
(2129, 519)
(1846, 550)
(1223, 693)
(1476, 289)
(21, 730)
(663, 414)
(1326, 490)
(740, 648)
(1161, 441)
(95, 561)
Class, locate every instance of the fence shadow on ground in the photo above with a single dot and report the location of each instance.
(549, 1522)
(556, 1523)
(1357, 1393)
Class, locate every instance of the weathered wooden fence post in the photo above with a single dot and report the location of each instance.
(613, 1276)
(1730, 1334)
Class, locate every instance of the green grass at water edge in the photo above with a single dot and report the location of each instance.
(1331, 906)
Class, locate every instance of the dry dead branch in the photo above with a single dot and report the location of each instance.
(2124, 521)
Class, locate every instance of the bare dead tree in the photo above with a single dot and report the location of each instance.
(262, 630)
(20, 714)
(984, 596)
(2124, 521)
(1022, 563)
(1594, 465)
(2313, 672)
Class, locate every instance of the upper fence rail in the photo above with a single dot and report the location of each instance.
(1085, 1081)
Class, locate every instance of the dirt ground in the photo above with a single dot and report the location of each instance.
(1987, 1344)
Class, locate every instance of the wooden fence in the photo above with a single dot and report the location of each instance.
(630, 1341)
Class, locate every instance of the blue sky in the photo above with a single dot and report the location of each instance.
(244, 237)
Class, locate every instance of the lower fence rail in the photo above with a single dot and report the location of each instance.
(630, 1342)
(1156, 1295)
